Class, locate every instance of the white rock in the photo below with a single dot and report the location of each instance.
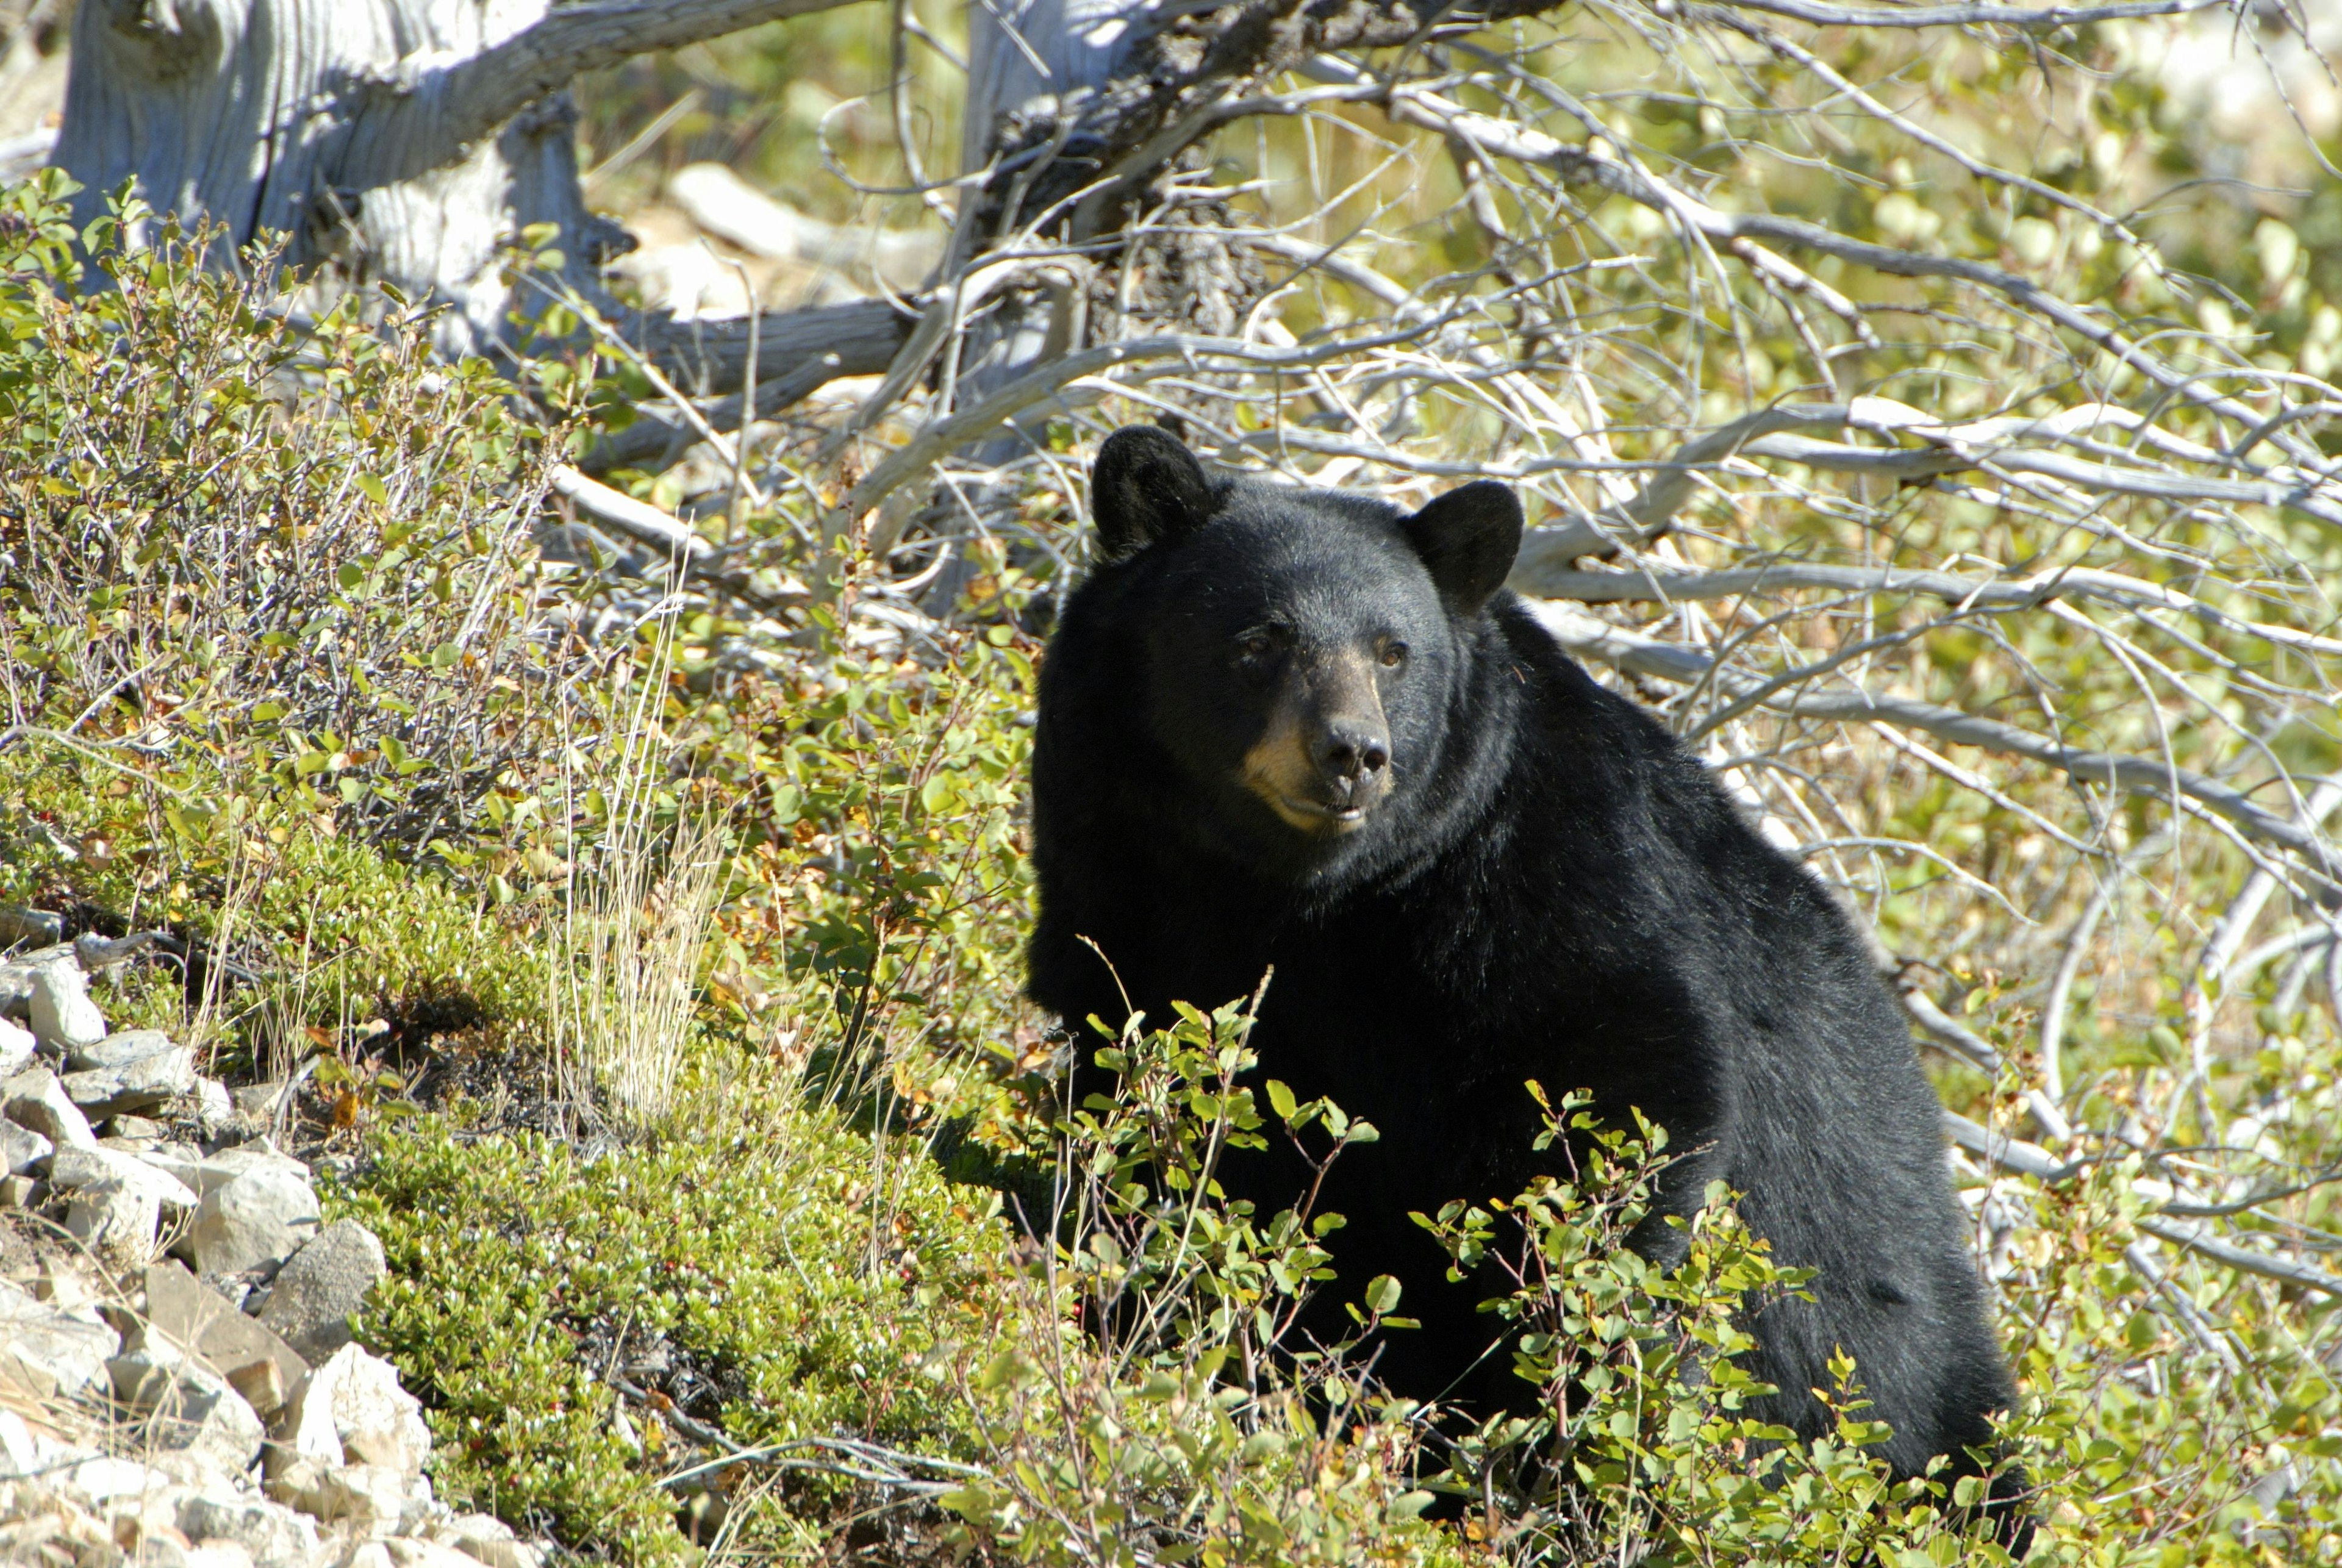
(76, 1168)
(63, 1017)
(207, 1172)
(263, 1216)
(216, 1554)
(215, 1108)
(475, 1527)
(30, 1450)
(352, 1410)
(105, 1477)
(34, 1099)
(21, 1149)
(272, 1532)
(366, 1554)
(191, 1409)
(147, 1527)
(312, 1298)
(20, 1452)
(17, 973)
(415, 1552)
(500, 1551)
(15, 1047)
(51, 1350)
(116, 1217)
(375, 1499)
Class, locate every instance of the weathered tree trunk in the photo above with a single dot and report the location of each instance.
(1030, 64)
(408, 143)
(211, 107)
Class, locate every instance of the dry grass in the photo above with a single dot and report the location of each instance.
(631, 929)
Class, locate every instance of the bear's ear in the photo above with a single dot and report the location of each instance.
(1468, 538)
(1145, 488)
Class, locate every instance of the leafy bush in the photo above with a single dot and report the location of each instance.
(816, 1290)
(1191, 1422)
(301, 551)
(1642, 1448)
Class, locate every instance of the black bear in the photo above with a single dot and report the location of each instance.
(1305, 729)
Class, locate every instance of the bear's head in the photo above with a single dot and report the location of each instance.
(1303, 646)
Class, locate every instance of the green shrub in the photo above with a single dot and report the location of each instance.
(822, 1289)
(300, 555)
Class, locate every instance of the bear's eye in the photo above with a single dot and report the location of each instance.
(1256, 645)
(1393, 654)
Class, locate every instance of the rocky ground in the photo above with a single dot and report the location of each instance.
(177, 1380)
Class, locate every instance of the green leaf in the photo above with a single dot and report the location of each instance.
(1280, 1100)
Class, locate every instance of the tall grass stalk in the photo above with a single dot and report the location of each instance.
(620, 989)
(622, 1006)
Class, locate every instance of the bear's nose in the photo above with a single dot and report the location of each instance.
(1352, 751)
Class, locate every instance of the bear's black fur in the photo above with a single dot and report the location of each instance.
(1302, 729)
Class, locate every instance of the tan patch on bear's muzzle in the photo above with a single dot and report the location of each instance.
(1280, 768)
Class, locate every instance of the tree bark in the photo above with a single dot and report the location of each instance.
(400, 143)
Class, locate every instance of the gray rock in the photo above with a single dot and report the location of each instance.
(30, 927)
(263, 1216)
(272, 1532)
(119, 1050)
(139, 1084)
(73, 1168)
(16, 1045)
(49, 1350)
(21, 1149)
(190, 1409)
(63, 1017)
(35, 1099)
(16, 1192)
(314, 1295)
(132, 1131)
(194, 1316)
(16, 977)
(258, 1102)
(114, 1217)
